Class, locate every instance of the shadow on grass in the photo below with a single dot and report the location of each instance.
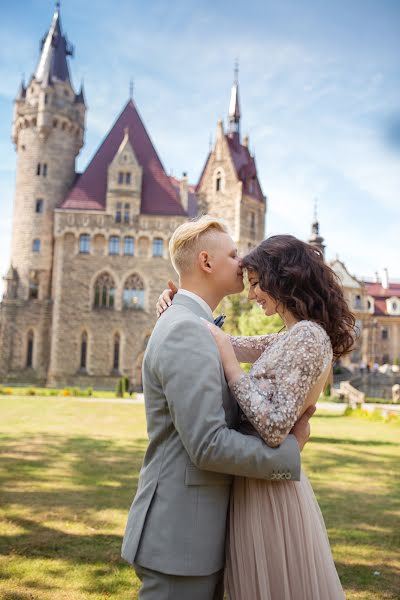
(350, 442)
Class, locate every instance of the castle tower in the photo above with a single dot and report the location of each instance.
(47, 130)
(229, 187)
(315, 239)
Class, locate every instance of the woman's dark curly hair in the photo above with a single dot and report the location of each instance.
(294, 273)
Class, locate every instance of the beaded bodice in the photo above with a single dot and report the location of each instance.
(285, 367)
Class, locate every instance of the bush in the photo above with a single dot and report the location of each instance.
(119, 391)
(126, 384)
(30, 392)
(327, 390)
(89, 391)
(53, 393)
(66, 392)
(348, 411)
(6, 391)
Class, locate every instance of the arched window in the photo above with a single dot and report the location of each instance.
(84, 345)
(133, 296)
(158, 247)
(116, 351)
(29, 350)
(113, 245)
(218, 180)
(34, 285)
(129, 246)
(84, 243)
(104, 291)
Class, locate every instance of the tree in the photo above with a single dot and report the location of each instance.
(246, 318)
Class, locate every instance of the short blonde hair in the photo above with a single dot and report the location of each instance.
(184, 241)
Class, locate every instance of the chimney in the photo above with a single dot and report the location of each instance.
(246, 141)
(385, 279)
(183, 192)
(377, 277)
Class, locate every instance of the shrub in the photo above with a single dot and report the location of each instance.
(126, 384)
(327, 390)
(119, 391)
(66, 392)
(89, 391)
(30, 392)
(6, 391)
(348, 411)
(53, 393)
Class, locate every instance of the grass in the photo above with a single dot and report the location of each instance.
(63, 392)
(69, 470)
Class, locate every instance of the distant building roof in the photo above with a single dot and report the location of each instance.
(381, 294)
(159, 195)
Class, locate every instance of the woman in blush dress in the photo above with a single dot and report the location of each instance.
(277, 545)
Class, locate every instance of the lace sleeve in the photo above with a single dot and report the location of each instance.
(273, 404)
(249, 348)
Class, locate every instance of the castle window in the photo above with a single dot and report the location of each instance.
(385, 334)
(133, 296)
(126, 213)
(128, 178)
(129, 247)
(33, 285)
(118, 213)
(357, 302)
(84, 243)
(29, 350)
(39, 206)
(158, 247)
(44, 169)
(104, 291)
(36, 246)
(38, 169)
(218, 183)
(120, 177)
(84, 345)
(116, 349)
(113, 245)
(55, 123)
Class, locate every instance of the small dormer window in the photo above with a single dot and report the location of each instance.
(395, 306)
(357, 301)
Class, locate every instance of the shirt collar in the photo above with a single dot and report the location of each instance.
(199, 300)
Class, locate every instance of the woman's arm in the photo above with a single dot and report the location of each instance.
(273, 407)
(249, 348)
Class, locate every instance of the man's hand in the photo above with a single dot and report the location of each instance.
(301, 429)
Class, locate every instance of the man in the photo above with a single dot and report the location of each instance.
(176, 528)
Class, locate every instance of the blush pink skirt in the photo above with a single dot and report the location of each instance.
(277, 545)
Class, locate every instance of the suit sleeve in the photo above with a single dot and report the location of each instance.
(192, 383)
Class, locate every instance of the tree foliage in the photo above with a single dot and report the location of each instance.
(246, 318)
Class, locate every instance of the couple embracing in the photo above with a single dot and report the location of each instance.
(222, 503)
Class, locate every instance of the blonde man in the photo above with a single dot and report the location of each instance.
(175, 535)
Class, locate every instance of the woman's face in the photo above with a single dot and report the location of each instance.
(264, 300)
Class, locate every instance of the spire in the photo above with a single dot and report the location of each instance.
(80, 97)
(315, 239)
(21, 90)
(131, 86)
(234, 108)
(54, 51)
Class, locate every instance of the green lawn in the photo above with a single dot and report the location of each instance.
(69, 469)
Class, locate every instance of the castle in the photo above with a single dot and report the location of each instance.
(90, 251)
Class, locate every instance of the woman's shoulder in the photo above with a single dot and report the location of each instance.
(309, 329)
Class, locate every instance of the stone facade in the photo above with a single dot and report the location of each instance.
(90, 252)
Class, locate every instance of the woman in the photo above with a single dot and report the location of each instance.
(277, 546)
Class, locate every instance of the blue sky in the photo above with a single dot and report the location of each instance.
(319, 90)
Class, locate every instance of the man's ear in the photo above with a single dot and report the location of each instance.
(204, 261)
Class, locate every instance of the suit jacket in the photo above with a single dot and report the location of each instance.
(177, 521)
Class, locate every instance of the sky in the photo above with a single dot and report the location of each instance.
(319, 92)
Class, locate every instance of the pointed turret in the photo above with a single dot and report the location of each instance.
(80, 96)
(316, 239)
(55, 49)
(21, 95)
(234, 108)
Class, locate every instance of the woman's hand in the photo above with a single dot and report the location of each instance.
(229, 361)
(165, 298)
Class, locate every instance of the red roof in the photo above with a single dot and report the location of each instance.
(380, 294)
(245, 167)
(159, 196)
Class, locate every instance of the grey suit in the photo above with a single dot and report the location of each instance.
(177, 522)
